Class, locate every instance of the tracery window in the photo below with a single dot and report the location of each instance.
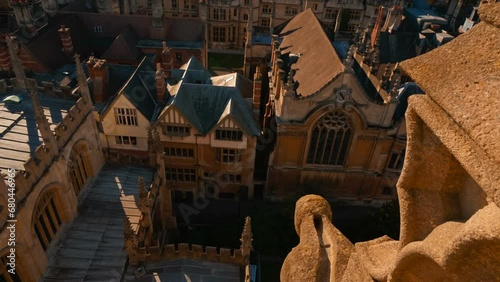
(47, 220)
(330, 140)
(78, 172)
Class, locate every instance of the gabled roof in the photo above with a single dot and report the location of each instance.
(124, 46)
(318, 62)
(463, 77)
(204, 105)
(140, 90)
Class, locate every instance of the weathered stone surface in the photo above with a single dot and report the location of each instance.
(449, 190)
(323, 251)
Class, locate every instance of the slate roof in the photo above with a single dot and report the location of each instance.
(19, 136)
(396, 47)
(124, 46)
(46, 47)
(203, 104)
(139, 88)
(463, 77)
(318, 63)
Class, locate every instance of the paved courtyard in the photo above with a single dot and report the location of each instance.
(92, 247)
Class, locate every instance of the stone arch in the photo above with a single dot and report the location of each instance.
(4, 274)
(80, 168)
(331, 132)
(47, 216)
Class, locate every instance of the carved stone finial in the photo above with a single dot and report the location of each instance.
(158, 147)
(143, 194)
(131, 239)
(349, 61)
(35, 100)
(246, 237)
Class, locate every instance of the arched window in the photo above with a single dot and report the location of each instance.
(5, 275)
(330, 140)
(78, 168)
(47, 220)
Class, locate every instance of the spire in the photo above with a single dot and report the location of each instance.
(42, 122)
(158, 147)
(82, 80)
(246, 238)
(16, 63)
(271, 20)
(349, 59)
(151, 147)
(143, 194)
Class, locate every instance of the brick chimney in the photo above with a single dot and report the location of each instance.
(166, 59)
(257, 88)
(98, 72)
(161, 84)
(67, 43)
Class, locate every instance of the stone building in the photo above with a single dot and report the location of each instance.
(337, 126)
(204, 122)
(449, 188)
(51, 167)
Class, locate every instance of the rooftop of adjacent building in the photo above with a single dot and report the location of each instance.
(466, 84)
(19, 136)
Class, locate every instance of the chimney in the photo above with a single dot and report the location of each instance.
(160, 83)
(67, 43)
(4, 55)
(165, 57)
(257, 89)
(98, 73)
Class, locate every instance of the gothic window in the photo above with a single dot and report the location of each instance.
(174, 5)
(47, 220)
(126, 116)
(78, 170)
(5, 275)
(330, 140)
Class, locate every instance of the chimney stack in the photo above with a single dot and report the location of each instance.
(160, 83)
(67, 43)
(257, 89)
(165, 57)
(98, 72)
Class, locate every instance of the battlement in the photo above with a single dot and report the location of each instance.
(76, 115)
(187, 251)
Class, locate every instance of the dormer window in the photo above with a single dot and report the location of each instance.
(230, 135)
(173, 130)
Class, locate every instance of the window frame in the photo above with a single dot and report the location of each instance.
(228, 155)
(126, 116)
(176, 130)
(228, 135)
(326, 146)
(126, 140)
